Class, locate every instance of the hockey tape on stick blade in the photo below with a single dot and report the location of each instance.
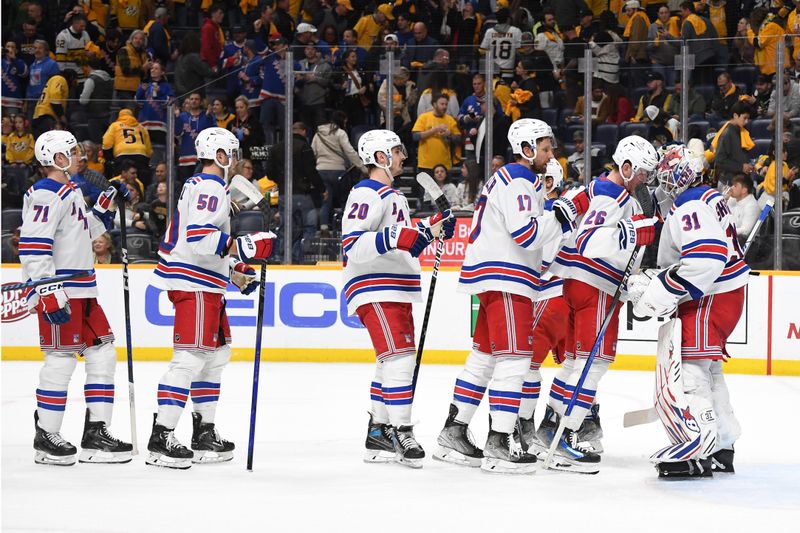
(637, 418)
(246, 194)
(44, 281)
(431, 187)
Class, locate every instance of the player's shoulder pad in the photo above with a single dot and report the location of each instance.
(701, 193)
(515, 171)
(208, 182)
(379, 189)
(47, 185)
(604, 187)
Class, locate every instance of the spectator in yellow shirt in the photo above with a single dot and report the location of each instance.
(369, 27)
(19, 143)
(51, 109)
(764, 34)
(438, 136)
(126, 139)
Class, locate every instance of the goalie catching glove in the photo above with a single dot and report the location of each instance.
(243, 276)
(660, 296)
(54, 303)
(255, 245)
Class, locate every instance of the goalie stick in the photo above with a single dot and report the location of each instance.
(30, 284)
(649, 415)
(427, 183)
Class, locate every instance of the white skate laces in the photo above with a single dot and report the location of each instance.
(55, 438)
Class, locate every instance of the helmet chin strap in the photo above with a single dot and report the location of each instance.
(530, 160)
(387, 167)
(65, 169)
(224, 168)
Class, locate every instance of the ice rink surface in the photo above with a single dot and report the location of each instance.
(309, 476)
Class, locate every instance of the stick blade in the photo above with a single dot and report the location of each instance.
(432, 188)
(637, 418)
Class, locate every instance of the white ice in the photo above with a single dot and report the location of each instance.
(309, 476)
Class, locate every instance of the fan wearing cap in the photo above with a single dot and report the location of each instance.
(656, 95)
(592, 264)
(304, 35)
(510, 230)
(703, 278)
(56, 239)
(381, 280)
(233, 58)
(197, 259)
(369, 26)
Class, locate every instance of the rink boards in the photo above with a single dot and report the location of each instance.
(306, 319)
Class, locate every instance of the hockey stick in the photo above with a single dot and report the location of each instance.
(123, 239)
(442, 204)
(256, 365)
(44, 281)
(649, 415)
(573, 399)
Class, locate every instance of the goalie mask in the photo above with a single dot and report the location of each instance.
(677, 171)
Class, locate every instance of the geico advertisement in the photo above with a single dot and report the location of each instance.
(305, 308)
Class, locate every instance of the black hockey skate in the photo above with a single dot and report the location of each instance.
(722, 462)
(380, 443)
(503, 454)
(409, 452)
(693, 468)
(51, 448)
(207, 445)
(591, 432)
(528, 438)
(456, 444)
(166, 450)
(572, 455)
(99, 446)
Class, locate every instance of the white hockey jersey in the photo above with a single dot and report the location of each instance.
(504, 40)
(550, 285)
(56, 237)
(193, 251)
(509, 230)
(593, 254)
(700, 237)
(371, 272)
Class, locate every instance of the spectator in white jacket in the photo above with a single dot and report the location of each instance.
(743, 205)
(791, 100)
(335, 156)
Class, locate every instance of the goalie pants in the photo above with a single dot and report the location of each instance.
(201, 342)
(502, 350)
(391, 329)
(88, 334)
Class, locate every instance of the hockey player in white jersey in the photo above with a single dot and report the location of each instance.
(703, 279)
(510, 230)
(381, 280)
(592, 265)
(197, 258)
(56, 239)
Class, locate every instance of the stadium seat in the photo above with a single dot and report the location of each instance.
(550, 116)
(11, 220)
(758, 128)
(570, 130)
(700, 125)
(745, 74)
(791, 223)
(633, 128)
(791, 252)
(761, 148)
(607, 133)
(140, 246)
(636, 95)
(706, 91)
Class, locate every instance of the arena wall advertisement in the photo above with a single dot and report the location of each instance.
(305, 319)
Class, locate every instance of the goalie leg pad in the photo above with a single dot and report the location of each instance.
(174, 386)
(101, 362)
(728, 428)
(206, 386)
(51, 394)
(471, 384)
(396, 389)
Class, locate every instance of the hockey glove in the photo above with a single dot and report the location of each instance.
(411, 240)
(639, 230)
(255, 245)
(659, 299)
(54, 303)
(105, 207)
(123, 191)
(572, 204)
(440, 222)
(637, 284)
(243, 276)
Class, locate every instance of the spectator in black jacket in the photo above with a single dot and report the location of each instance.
(727, 95)
(247, 129)
(158, 39)
(729, 157)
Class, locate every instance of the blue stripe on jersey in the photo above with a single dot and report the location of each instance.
(47, 184)
(171, 235)
(692, 193)
(369, 184)
(40, 240)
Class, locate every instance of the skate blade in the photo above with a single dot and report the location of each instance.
(156, 459)
(44, 458)
(379, 456)
(563, 464)
(211, 457)
(449, 455)
(100, 456)
(494, 465)
(411, 463)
